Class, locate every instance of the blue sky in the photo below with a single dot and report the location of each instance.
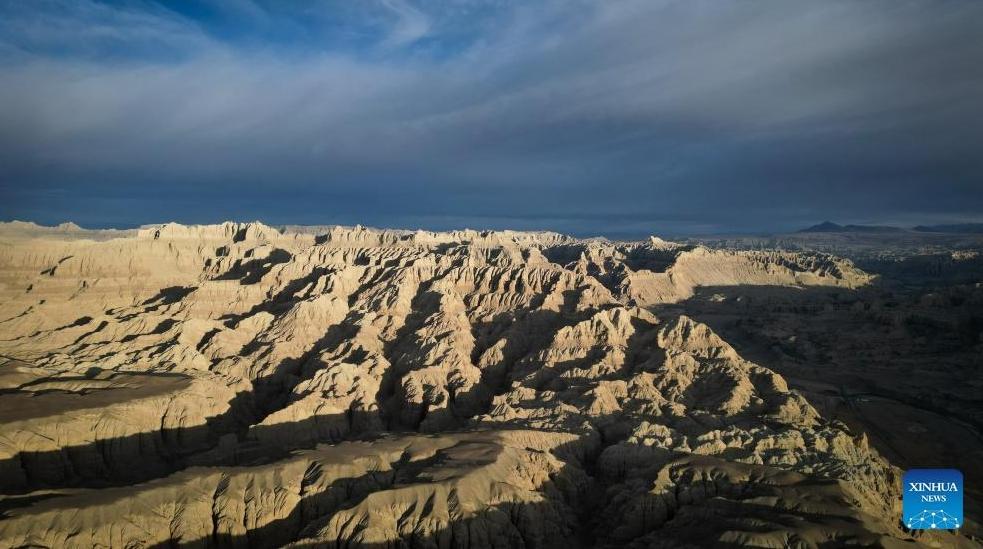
(620, 118)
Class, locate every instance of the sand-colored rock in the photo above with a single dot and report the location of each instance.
(244, 385)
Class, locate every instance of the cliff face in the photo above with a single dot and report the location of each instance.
(242, 385)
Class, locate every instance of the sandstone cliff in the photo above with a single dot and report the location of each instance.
(243, 385)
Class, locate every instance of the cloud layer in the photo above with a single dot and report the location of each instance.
(618, 118)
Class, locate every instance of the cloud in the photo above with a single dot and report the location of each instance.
(411, 24)
(93, 29)
(591, 117)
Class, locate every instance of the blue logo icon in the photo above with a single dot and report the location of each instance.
(933, 498)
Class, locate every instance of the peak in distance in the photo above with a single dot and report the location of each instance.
(830, 227)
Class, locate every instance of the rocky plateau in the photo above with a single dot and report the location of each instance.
(240, 385)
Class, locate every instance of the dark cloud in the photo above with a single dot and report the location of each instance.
(591, 118)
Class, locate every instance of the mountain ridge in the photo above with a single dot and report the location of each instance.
(362, 386)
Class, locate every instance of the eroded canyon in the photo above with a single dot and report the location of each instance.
(243, 385)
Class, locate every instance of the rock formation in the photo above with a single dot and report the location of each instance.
(243, 385)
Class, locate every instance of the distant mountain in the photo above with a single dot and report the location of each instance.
(824, 227)
(974, 228)
(830, 227)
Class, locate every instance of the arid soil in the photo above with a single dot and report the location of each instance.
(242, 385)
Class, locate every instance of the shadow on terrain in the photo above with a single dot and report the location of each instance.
(315, 509)
(168, 296)
(319, 503)
(146, 456)
(224, 441)
(116, 461)
(875, 358)
(229, 438)
(707, 502)
(253, 270)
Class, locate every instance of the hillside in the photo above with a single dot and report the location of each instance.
(237, 384)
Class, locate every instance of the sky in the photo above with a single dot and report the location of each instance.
(615, 118)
